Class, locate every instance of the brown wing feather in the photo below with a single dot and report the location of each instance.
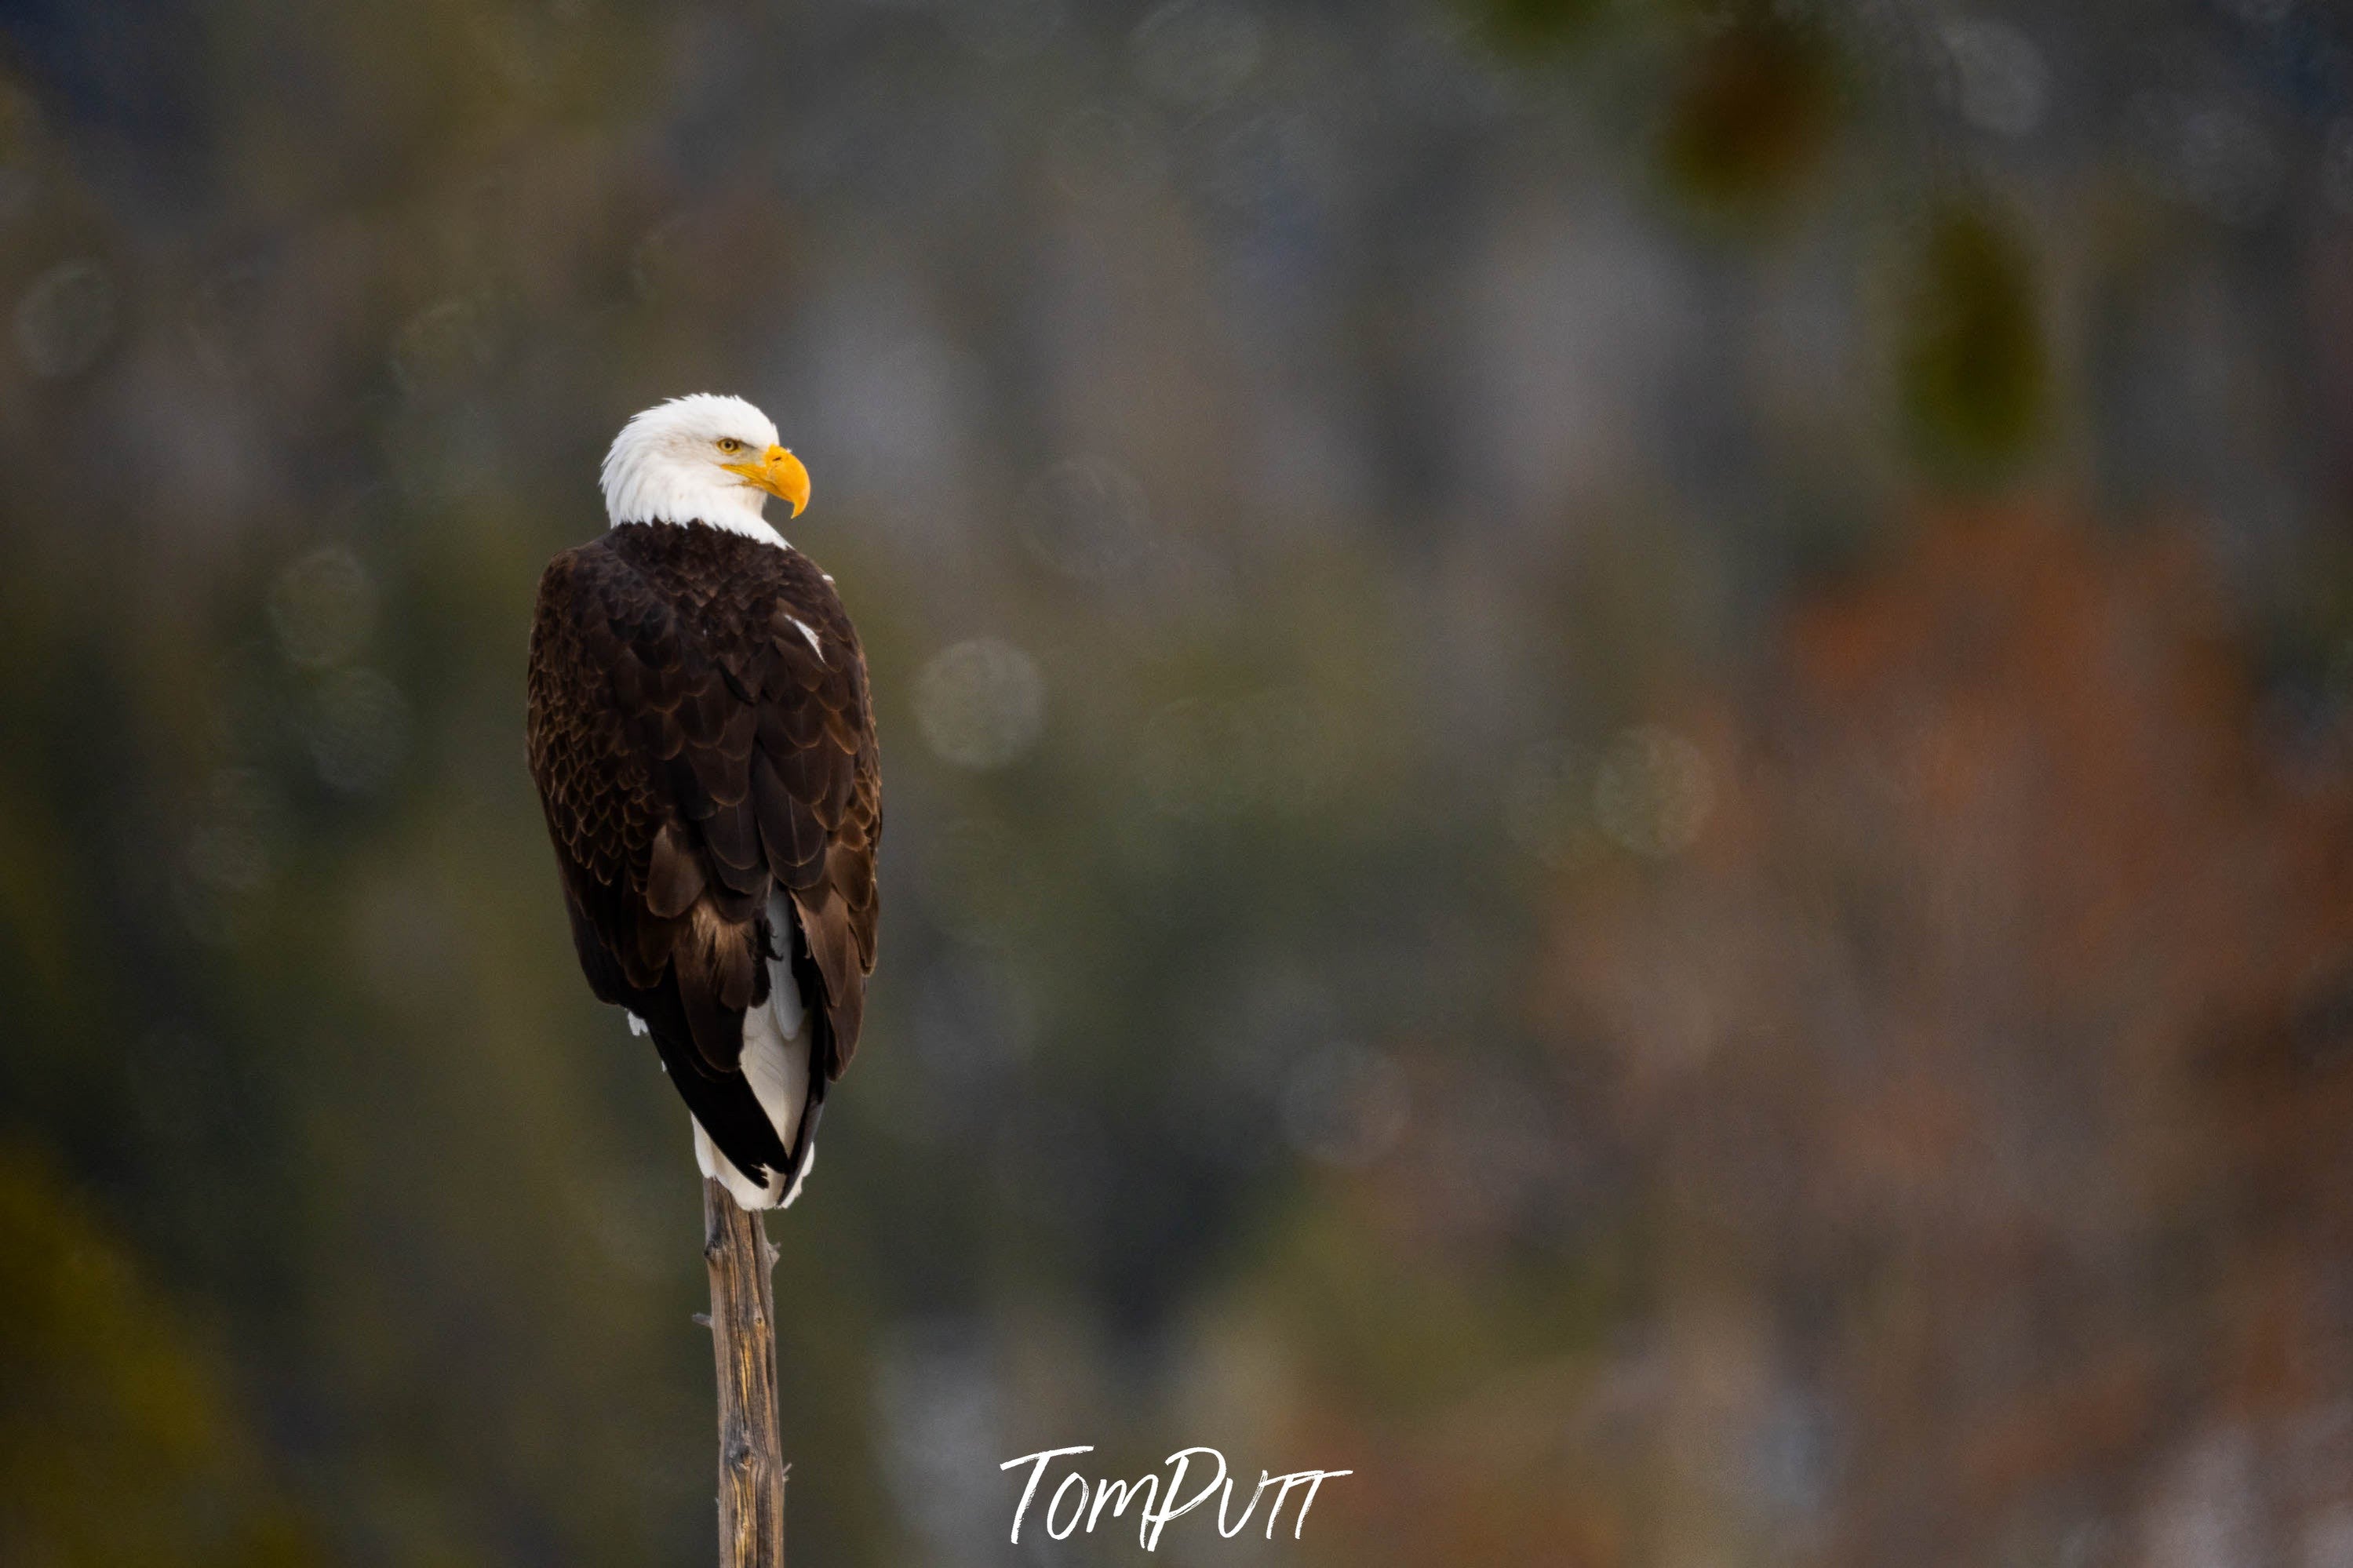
(819, 799)
(693, 750)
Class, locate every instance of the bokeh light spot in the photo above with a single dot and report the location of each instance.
(1085, 517)
(322, 607)
(64, 322)
(2004, 85)
(1652, 791)
(231, 853)
(358, 730)
(980, 704)
(443, 344)
(231, 848)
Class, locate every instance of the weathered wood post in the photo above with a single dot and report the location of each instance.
(744, 1344)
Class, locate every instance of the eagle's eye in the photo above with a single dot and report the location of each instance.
(729, 445)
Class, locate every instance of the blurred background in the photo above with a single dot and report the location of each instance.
(1619, 754)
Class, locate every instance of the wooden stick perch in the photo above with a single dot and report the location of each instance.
(744, 1344)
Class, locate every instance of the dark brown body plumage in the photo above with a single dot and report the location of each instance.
(694, 753)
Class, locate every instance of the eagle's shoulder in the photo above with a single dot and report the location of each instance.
(592, 599)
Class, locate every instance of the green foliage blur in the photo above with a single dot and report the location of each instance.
(1619, 743)
(1975, 386)
(121, 1446)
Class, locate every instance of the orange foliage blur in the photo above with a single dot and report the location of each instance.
(1983, 1071)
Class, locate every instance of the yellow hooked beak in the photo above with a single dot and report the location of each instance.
(780, 474)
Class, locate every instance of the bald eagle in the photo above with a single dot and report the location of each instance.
(703, 741)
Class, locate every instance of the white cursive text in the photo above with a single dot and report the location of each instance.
(1078, 1501)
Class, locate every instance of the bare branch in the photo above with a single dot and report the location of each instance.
(744, 1344)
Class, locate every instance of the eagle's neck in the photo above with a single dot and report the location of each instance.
(643, 491)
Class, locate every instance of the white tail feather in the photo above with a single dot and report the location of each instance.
(776, 1043)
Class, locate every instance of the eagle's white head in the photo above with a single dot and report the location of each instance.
(703, 459)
